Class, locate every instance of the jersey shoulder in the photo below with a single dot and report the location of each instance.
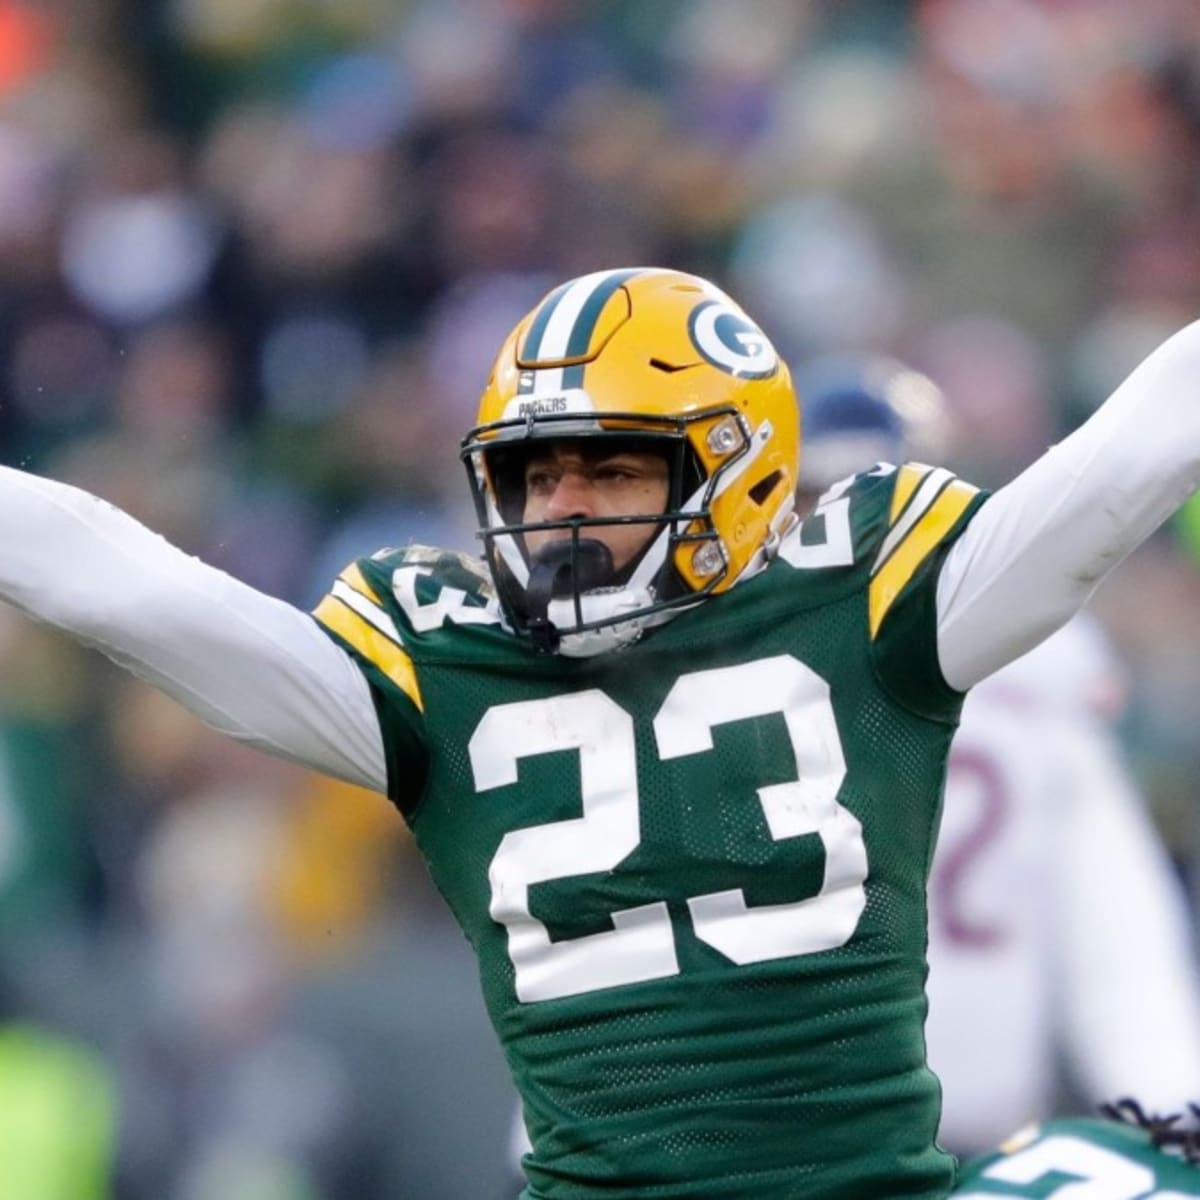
(409, 595)
(392, 611)
(410, 578)
(885, 533)
(1082, 1150)
(886, 526)
(397, 605)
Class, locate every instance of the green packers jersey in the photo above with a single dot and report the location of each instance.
(1080, 1159)
(693, 870)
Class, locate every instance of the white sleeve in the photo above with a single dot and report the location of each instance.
(1131, 989)
(1037, 549)
(244, 662)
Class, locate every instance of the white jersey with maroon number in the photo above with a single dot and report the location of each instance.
(1057, 931)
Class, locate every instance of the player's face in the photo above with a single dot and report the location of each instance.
(573, 480)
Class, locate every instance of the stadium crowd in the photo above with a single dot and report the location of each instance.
(255, 260)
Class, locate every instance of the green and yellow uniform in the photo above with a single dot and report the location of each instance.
(693, 870)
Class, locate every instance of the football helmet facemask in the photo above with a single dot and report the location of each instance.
(643, 359)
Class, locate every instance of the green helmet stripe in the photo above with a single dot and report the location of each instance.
(585, 324)
(537, 329)
(564, 325)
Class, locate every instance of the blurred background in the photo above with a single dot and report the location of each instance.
(255, 259)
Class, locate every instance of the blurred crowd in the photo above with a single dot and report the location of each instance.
(254, 262)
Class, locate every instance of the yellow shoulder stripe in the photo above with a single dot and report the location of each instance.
(376, 647)
(353, 577)
(920, 541)
(907, 479)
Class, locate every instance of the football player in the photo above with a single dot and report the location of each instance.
(1054, 912)
(1130, 1156)
(680, 789)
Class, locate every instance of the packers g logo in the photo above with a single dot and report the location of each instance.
(731, 341)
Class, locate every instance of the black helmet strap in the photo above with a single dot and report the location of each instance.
(564, 569)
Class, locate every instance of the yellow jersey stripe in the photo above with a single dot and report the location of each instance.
(353, 577)
(907, 479)
(377, 648)
(929, 489)
(918, 544)
(367, 609)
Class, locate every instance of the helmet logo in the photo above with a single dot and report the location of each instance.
(728, 339)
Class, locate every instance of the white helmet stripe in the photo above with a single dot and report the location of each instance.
(560, 320)
(564, 326)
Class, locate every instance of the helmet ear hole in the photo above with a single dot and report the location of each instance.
(761, 492)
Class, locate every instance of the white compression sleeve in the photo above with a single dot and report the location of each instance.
(1040, 545)
(244, 662)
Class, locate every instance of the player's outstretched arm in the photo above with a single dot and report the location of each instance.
(1037, 549)
(244, 662)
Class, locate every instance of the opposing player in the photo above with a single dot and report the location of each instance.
(1131, 1156)
(673, 759)
(1054, 913)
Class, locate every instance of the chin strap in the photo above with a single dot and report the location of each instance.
(572, 582)
(560, 571)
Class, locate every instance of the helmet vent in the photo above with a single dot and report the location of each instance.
(669, 368)
(764, 487)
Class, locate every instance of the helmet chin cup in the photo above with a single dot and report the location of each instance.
(563, 570)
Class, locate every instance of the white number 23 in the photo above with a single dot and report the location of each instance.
(641, 945)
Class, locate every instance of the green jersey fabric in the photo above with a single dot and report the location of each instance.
(1080, 1158)
(694, 870)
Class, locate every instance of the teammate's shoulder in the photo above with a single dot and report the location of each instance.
(1093, 1149)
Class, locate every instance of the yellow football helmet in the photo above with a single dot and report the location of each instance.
(664, 361)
